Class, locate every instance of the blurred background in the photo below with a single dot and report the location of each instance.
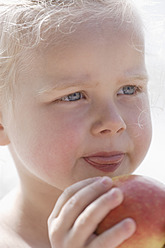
(153, 13)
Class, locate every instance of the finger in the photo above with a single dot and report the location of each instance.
(87, 222)
(69, 192)
(79, 201)
(115, 236)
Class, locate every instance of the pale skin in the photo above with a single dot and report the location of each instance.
(73, 101)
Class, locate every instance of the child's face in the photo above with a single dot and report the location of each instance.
(82, 108)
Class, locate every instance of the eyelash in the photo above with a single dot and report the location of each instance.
(81, 95)
(66, 98)
(136, 89)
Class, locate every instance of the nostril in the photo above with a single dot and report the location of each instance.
(120, 130)
(105, 131)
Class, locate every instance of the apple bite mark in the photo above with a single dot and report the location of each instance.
(144, 201)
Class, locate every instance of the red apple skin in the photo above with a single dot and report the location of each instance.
(144, 201)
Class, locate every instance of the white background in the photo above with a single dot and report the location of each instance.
(154, 163)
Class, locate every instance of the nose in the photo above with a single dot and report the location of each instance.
(109, 121)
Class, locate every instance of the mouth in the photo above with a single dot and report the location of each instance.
(106, 162)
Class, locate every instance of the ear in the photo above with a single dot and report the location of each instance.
(4, 140)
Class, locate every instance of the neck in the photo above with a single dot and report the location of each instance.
(31, 208)
(35, 203)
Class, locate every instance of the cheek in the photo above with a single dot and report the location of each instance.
(140, 130)
(49, 144)
(56, 146)
(138, 117)
(141, 125)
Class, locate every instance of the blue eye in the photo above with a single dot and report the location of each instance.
(72, 97)
(128, 90)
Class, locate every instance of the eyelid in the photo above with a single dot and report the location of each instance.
(61, 99)
(138, 88)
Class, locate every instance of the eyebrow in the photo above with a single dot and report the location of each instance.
(65, 84)
(143, 77)
(73, 83)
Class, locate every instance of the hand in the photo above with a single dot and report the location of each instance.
(80, 209)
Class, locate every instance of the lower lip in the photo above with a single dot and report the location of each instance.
(111, 167)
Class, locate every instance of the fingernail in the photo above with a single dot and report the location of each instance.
(106, 181)
(116, 194)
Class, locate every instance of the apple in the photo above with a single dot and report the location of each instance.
(144, 201)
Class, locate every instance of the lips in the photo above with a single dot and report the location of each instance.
(106, 162)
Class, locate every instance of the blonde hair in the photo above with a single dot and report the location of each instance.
(24, 24)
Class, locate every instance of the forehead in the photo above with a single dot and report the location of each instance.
(68, 24)
(99, 36)
(97, 32)
(100, 28)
